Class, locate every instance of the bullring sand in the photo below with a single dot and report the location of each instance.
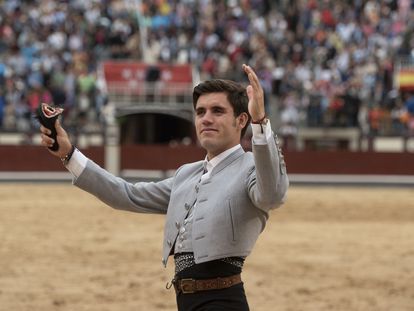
(327, 248)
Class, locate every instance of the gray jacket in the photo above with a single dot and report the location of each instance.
(232, 205)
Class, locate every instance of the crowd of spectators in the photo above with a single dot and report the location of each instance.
(322, 63)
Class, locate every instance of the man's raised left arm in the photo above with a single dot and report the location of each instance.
(268, 182)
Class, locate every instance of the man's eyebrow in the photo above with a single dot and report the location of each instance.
(218, 106)
(214, 106)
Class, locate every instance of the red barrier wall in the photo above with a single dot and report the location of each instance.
(345, 162)
(159, 157)
(37, 158)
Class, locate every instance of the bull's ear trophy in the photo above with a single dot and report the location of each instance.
(47, 116)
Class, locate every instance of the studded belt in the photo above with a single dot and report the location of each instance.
(189, 286)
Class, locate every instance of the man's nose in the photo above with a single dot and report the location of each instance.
(207, 118)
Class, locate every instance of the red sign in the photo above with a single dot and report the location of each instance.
(133, 76)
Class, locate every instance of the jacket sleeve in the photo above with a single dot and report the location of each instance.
(268, 181)
(141, 197)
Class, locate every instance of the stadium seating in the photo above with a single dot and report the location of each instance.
(322, 63)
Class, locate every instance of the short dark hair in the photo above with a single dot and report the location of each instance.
(236, 95)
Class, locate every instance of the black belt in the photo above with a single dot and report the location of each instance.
(189, 286)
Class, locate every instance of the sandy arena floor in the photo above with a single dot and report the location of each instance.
(342, 249)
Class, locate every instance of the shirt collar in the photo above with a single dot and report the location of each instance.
(220, 157)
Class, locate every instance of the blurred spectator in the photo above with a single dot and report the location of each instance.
(375, 116)
(2, 106)
(409, 103)
(400, 118)
(409, 116)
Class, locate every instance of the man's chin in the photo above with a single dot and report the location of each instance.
(208, 144)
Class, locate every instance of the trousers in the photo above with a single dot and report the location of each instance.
(227, 299)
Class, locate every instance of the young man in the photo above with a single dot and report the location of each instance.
(215, 208)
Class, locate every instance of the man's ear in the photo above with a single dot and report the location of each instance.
(243, 118)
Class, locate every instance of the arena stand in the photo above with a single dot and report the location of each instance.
(328, 69)
(340, 161)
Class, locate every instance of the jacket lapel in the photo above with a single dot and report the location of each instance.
(227, 161)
